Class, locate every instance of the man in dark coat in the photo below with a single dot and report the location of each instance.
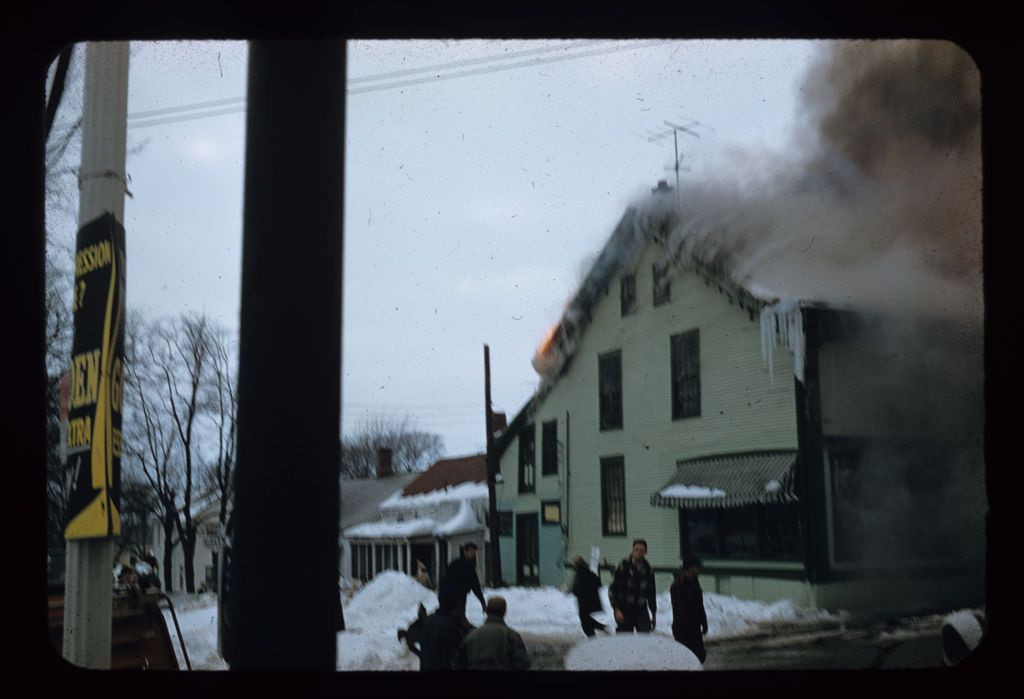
(585, 586)
(493, 646)
(632, 592)
(461, 574)
(689, 620)
(440, 633)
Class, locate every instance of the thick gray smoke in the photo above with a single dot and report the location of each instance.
(877, 201)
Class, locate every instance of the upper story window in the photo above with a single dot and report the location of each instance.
(609, 369)
(549, 448)
(686, 374)
(627, 294)
(662, 287)
(527, 459)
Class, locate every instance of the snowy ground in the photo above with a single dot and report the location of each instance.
(389, 602)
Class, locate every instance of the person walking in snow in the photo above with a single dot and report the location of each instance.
(632, 592)
(689, 620)
(440, 633)
(493, 646)
(461, 574)
(584, 587)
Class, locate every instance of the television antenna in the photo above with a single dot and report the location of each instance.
(673, 131)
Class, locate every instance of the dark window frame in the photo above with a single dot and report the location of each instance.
(684, 358)
(549, 448)
(544, 504)
(661, 285)
(528, 459)
(609, 464)
(627, 295)
(609, 391)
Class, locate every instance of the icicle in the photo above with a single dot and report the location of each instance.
(782, 325)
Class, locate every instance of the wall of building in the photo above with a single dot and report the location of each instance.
(743, 407)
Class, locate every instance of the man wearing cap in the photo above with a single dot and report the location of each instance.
(493, 646)
(632, 592)
(461, 574)
(440, 633)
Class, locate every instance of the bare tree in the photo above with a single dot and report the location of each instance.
(184, 363)
(222, 406)
(411, 449)
(149, 442)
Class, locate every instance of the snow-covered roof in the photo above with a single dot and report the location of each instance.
(455, 493)
(462, 522)
(361, 497)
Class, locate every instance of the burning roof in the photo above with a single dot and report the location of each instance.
(875, 206)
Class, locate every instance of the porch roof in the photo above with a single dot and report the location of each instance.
(731, 480)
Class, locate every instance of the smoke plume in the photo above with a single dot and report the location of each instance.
(877, 204)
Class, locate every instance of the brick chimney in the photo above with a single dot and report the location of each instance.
(384, 463)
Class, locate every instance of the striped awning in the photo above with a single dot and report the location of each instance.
(731, 480)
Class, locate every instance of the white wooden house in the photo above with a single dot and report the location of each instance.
(828, 456)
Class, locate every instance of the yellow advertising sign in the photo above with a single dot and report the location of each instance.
(96, 384)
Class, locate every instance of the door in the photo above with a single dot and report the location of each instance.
(527, 550)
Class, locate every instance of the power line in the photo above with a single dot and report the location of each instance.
(470, 61)
(241, 106)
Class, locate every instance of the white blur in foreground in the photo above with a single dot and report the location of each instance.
(631, 652)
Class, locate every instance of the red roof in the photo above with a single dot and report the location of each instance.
(465, 469)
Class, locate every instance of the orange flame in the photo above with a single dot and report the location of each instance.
(545, 345)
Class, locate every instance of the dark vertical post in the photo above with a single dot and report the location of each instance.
(289, 383)
(492, 470)
(811, 462)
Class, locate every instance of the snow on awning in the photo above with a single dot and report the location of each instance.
(731, 480)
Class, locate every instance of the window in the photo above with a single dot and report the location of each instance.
(527, 460)
(662, 288)
(737, 533)
(757, 532)
(505, 523)
(609, 369)
(627, 294)
(549, 446)
(551, 512)
(685, 349)
(613, 496)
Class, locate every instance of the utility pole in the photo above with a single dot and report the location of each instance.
(492, 471)
(286, 509)
(94, 420)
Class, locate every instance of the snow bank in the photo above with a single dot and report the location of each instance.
(372, 619)
(632, 652)
(389, 602)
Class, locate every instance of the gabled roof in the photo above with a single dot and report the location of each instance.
(449, 472)
(638, 227)
(361, 497)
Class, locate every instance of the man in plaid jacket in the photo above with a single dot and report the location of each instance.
(632, 592)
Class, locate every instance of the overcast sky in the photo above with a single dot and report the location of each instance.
(481, 179)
